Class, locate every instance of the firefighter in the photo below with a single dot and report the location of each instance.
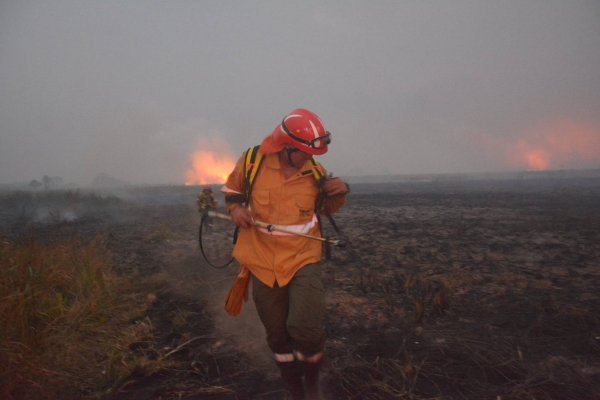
(285, 269)
(206, 199)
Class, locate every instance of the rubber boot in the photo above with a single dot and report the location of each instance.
(311, 380)
(291, 374)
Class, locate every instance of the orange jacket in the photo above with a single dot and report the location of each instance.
(276, 256)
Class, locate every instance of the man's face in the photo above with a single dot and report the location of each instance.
(297, 158)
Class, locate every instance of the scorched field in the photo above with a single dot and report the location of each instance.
(450, 289)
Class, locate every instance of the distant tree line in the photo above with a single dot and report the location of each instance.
(48, 182)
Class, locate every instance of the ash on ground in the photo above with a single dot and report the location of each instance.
(458, 289)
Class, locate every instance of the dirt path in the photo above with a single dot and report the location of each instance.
(215, 354)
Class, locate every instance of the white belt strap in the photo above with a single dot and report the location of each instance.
(225, 189)
(286, 357)
(315, 358)
(301, 228)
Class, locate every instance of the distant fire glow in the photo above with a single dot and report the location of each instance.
(534, 158)
(561, 144)
(209, 167)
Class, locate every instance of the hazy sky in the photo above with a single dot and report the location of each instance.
(134, 88)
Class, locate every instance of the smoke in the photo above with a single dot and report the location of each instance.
(211, 162)
(149, 151)
(56, 215)
(563, 143)
(169, 150)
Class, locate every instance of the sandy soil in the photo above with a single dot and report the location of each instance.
(460, 290)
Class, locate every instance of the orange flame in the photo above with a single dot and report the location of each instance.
(208, 167)
(534, 158)
(561, 144)
(537, 160)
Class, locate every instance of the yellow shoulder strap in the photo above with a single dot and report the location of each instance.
(317, 170)
(254, 157)
(252, 161)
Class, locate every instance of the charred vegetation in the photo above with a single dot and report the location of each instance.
(454, 290)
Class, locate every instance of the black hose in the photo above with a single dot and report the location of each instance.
(204, 220)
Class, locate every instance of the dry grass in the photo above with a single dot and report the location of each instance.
(66, 321)
(160, 233)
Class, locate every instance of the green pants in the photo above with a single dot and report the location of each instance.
(293, 315)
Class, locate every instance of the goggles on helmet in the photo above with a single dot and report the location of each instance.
(317, 143)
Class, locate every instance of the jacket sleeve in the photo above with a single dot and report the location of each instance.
(332, 203)
(233, 189)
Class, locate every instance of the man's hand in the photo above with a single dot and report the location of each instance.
(242, 217)
(335, 186)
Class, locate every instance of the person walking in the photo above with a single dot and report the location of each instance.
(284, 268)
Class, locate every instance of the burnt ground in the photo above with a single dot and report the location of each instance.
(448, 290)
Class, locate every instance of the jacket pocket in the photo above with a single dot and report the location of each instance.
(261, 203)
(305, 206)
(261, 197)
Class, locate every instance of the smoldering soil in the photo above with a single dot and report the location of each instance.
(454, 289)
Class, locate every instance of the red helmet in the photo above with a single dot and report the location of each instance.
(301, 129)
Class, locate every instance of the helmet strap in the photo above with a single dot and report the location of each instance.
(289, 151)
